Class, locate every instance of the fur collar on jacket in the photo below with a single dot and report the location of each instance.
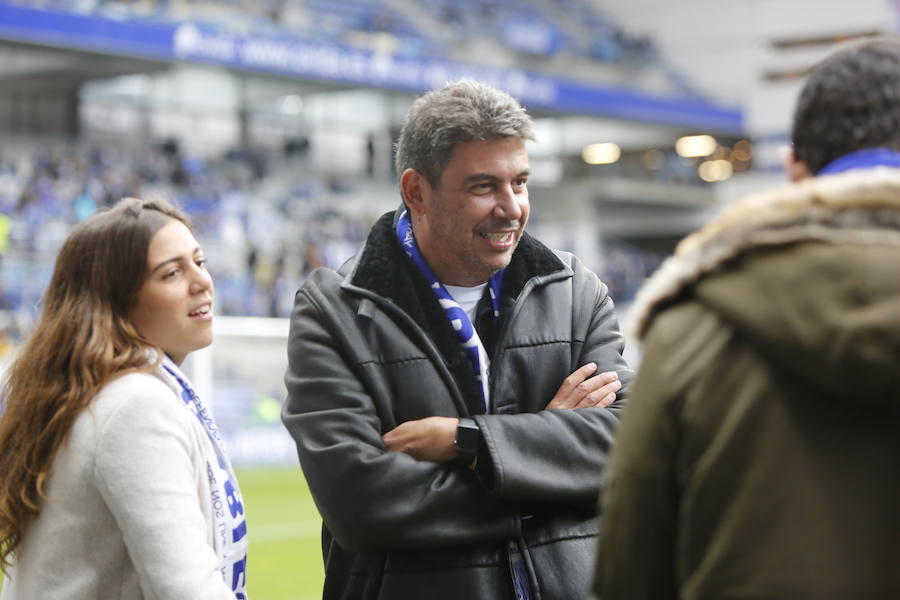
(384, 269)
(860, 206)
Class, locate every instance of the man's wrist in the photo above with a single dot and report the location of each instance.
(468, 437)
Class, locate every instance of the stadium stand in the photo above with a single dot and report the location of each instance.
(268, 213)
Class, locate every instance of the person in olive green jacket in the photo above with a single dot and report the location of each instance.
(760, 454)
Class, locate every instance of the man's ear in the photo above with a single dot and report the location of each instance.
(415, 189)
(795, 169)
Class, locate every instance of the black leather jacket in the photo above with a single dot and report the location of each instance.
(370, 348)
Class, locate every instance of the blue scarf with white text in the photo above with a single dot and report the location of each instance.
(458, 318)
(230, 538)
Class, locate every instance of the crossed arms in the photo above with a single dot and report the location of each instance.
(431, 438)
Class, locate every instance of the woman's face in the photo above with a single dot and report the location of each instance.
(173, 308)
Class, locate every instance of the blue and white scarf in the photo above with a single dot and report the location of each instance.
(476, 353)
(230, 538)
(862, 159)
(458, 318)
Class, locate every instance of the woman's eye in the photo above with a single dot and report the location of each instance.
(170, 274)
(201, 262)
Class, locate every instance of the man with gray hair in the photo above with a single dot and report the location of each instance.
(452, 389)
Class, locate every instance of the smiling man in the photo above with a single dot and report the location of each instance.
(454, 388)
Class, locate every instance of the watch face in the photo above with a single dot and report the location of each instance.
(467, 437)
(466, 442)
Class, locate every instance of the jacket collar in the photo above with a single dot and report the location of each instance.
(861, 206)
(384, 270)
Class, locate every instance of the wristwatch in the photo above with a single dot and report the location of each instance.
(466, 443)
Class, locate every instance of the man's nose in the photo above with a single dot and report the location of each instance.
(508, 204)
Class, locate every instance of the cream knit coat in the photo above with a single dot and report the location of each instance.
(128, 514)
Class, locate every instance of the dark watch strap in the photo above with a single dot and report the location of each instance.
(466, 443)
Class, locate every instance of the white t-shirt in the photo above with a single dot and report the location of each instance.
(467, 297)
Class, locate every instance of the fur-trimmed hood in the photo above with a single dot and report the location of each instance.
(809, 272)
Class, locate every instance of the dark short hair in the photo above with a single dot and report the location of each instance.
(464, 111)
(850, 102)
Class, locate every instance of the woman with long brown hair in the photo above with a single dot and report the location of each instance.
(113, 480)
